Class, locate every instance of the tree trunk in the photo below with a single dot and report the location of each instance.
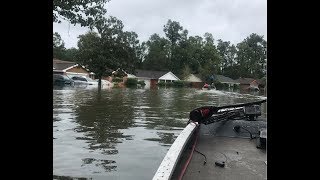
(99, 83)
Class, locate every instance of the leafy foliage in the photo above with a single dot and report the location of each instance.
(58, 47)
(71, 54)
(83, 12)
(109, 48)
(142, 83)
(131, 82)
(251, 56)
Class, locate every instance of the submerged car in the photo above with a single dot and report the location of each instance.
(59, 79)
(83, 80)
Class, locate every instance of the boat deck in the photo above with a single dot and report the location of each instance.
(219, 142)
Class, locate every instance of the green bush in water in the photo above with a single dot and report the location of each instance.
(178, 83)
(219, 85)
(131, 82)
(169, 84)
(142, 83)
(117, 79)
(161, 83)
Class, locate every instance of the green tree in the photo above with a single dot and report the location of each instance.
(204, 58)
(83, 12)
(108, 49)
(251, 56)
(58, 46)
(157, 55)
(195, 51)
(211, 58)
(228, 58)
(178, 41)
(71, 54)
(173, 31)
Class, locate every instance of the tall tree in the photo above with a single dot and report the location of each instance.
(176, 35)
(157, 57)
(83, 12)
(71, 54)
(195, 51)
(108, 49)
(210, 55)
(173, 31)
(251, 56)
(228, 58)
(58, 46)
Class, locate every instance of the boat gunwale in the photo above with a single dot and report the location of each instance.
(172, 157)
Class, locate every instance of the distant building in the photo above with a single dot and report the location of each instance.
(194, 80)
(152, 78)
(70, 68)
(248, 84)
(225, 80)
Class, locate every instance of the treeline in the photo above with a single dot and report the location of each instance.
(107, 47)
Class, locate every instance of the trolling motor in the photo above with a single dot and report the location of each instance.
(252, 112)
(209, 114)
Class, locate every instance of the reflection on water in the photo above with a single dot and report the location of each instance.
(122, 133)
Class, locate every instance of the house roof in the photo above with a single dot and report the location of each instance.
(150, 74)
(245, 80)
(262, 81)
(169, 76)
(62, 65)
(224, 79)
(193, 78)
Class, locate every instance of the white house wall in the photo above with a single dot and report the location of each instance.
(169, 77)
(147, 86)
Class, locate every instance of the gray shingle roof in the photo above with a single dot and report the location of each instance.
(224, 79)
(150, 74)
(245, 80)
(61, 65)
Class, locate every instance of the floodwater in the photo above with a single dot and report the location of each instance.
(123, 133)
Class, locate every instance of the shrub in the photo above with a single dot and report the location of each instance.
(117, 79)
(178, 83)
(142, 83)
(161, 83)
(219, 85)
(131, 82)
(169, 84)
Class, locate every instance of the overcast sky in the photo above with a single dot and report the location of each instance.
(229, 20)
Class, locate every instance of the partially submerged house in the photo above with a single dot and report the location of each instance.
(70, 68)
(262, 83)
(152, 78)
(122, 73)
(225, 80)
(120, 76)
(248, 84)
(194, 80)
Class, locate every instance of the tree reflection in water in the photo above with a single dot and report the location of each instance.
(100, 120)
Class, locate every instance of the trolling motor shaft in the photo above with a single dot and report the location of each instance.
(209, 114)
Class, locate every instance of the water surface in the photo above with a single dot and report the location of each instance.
(123, 133)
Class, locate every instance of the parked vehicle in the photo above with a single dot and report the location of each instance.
(82, 80)
(60, 80)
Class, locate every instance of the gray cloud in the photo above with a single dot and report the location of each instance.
(229, 20)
